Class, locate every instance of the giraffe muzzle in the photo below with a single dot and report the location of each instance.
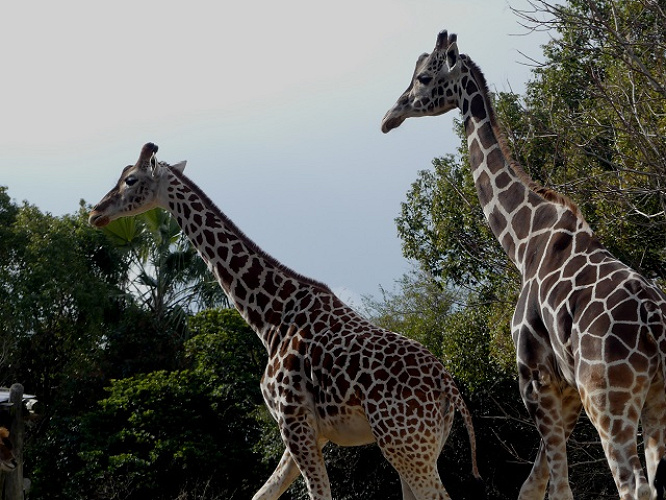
(98, 220)
(390, 122)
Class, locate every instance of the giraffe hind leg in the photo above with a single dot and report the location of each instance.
(424, 486)
(653, 420)
(618, 439)
(414, 456)
(418, 471)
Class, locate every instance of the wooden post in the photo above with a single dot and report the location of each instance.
(14, 480)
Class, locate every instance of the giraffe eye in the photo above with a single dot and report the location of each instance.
(131, 180)
(424, 79)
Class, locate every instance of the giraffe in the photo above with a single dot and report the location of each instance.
(589, 331)
(331, 374)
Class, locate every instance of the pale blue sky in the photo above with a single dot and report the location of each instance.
(275, 105)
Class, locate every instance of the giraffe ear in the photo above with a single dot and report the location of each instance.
(180, 166)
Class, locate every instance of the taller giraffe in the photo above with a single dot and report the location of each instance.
(331, 374)
(588, 330)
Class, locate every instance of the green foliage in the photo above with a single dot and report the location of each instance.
(474, 346)
(61, 289)
(228, 354)
(418, 307)
(166, 275)
(442, 226)
(59, 279)
(597, 109)
(159, 432)
(71, 321)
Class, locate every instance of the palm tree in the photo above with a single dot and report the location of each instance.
(165, 277)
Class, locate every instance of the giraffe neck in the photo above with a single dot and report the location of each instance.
(517, 209)
(266, 293)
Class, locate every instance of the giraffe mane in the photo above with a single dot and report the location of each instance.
(543, 191)
(251, 244)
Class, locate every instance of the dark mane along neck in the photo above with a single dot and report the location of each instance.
(544, 192)
(251, 245)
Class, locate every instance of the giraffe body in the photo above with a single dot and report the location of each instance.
(589, 331)
(331, 375)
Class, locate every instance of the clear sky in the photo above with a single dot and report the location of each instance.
(275, 105)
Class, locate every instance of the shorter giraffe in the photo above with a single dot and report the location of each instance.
(331, 374)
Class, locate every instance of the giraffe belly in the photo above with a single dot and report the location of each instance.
(348, 428)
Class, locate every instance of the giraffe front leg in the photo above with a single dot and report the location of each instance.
(543, 398)
(285, 474)
(541, 391)
(534, 487)
(305, 447)
(625, 465)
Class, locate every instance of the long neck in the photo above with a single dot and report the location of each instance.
(266, 293)
(517, 209)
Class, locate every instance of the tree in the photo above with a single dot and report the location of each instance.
(165, 282)
(597, 105)
(167, 275)
(442, 227)
(70, 321)
(445, 233)
(165, 432)
(59, 280)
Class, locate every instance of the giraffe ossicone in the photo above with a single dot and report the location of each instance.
(589, 331)
(331, 374)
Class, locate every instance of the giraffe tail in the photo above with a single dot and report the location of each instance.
(459, 403)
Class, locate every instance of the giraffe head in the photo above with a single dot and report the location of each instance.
(136, 191)
(434, 87)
